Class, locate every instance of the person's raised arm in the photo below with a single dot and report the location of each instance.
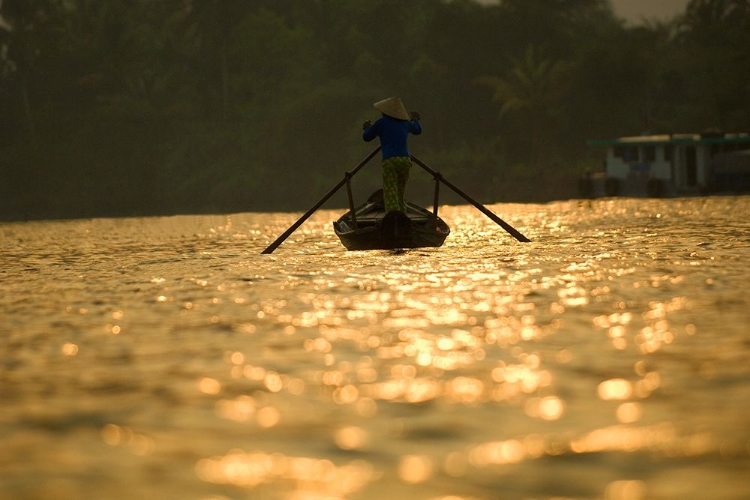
(414, 126)
(370, 131)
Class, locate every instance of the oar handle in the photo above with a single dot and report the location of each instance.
(510, 229)
(273, 246)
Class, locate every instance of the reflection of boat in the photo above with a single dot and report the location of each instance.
(372, 228)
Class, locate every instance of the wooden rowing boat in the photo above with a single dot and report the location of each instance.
(371, 228)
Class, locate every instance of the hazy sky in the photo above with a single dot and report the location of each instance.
(635, 10)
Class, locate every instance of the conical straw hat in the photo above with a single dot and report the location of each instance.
(392, 107)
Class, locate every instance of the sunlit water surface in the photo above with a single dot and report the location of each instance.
(166, 358)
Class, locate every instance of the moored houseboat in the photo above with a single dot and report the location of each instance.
(671, 165)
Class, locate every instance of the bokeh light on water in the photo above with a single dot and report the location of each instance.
(166, 358)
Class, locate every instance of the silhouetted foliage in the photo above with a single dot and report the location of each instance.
(135, 107)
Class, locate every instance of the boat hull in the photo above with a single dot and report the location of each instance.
(376, 229)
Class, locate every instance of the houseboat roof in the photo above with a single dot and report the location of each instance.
(673, 139)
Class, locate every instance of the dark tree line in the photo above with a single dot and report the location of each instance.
(124, 107)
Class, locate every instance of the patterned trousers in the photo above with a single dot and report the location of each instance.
(395, 174)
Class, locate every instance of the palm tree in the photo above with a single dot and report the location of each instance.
(532, 91)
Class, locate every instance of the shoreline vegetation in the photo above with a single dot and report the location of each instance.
(136, 108)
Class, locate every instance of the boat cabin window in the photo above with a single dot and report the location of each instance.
(649, 153)
(629, 153)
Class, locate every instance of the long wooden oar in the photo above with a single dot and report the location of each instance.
(273, 246)
(513, 232)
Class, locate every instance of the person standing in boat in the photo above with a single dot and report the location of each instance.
(393, 128)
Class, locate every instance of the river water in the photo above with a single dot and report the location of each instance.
(166, 358)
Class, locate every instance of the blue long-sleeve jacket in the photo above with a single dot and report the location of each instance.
(393, 134)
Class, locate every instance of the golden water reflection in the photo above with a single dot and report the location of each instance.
(304, 477)
(380, 349)
(431, 340)
(612, 350)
